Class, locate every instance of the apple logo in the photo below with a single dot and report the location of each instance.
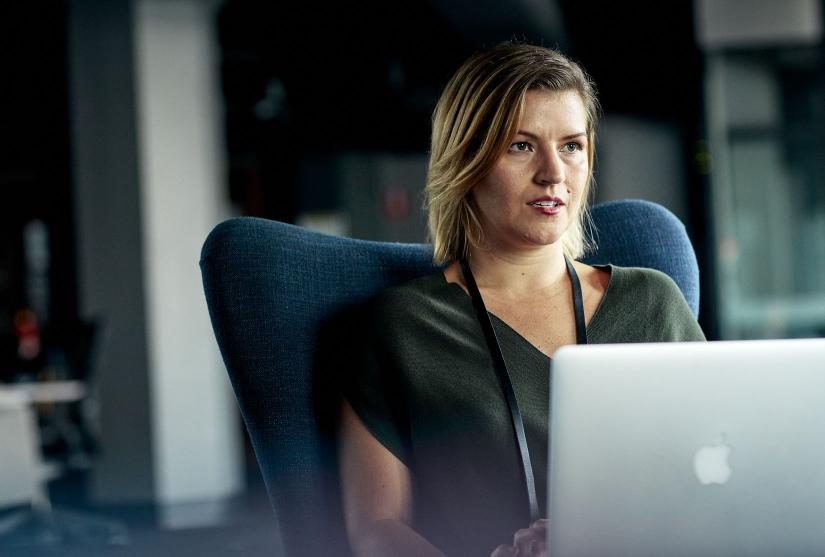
(710, 463)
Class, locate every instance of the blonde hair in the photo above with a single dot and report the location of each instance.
(473, 123)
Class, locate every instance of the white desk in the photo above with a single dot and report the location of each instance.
(19, 449)
(46, 391)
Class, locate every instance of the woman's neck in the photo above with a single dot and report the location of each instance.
(516, 274)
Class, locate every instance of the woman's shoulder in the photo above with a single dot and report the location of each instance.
(643, 290)
(401, 316)
(636, 279)
(411, 296)
(642, 305)
(419, 287)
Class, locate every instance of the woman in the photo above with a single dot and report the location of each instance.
(430, 464)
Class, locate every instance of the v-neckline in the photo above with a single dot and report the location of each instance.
(518, 335)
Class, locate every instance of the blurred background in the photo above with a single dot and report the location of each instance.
(128, 129)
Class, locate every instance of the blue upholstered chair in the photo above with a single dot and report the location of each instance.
(276, 292)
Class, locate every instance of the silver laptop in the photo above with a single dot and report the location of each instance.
(690, 449)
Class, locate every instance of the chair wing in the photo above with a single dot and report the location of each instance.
(636, 233)
(270, 287)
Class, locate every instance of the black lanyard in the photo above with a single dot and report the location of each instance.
(504, 375)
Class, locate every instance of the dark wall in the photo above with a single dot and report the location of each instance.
(341, 77)
(34, 151)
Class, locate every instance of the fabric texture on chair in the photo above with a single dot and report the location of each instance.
(274, 290)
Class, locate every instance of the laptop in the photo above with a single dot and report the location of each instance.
(690, 449)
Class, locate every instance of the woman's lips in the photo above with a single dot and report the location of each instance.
(547, 205)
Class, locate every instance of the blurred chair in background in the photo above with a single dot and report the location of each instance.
(59, 379)
(69, 431)
(42, 414)
(282, 298)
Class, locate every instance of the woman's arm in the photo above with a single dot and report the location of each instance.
(377, 495)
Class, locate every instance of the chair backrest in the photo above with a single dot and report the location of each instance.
(271, 289)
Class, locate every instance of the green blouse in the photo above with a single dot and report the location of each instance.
(427, 390)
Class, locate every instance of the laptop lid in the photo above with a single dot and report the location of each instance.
(688, 449)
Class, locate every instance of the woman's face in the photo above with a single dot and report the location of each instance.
(533, 193)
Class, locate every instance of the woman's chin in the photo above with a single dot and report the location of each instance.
(537, 244)
(547, 239)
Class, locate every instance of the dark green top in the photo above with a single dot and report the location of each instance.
(428, 391)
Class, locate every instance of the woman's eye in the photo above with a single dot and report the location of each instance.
(520, 146)
(572, 147)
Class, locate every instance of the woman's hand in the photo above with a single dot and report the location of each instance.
(527, 542)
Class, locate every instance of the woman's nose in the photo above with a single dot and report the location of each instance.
(550, 170)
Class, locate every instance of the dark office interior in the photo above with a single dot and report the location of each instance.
(304, 95)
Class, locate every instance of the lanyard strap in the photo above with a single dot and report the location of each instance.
(504, 375)
(578, 303)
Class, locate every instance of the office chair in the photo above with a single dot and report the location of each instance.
(277, 292)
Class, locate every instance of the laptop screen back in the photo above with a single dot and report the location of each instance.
(688, 449)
